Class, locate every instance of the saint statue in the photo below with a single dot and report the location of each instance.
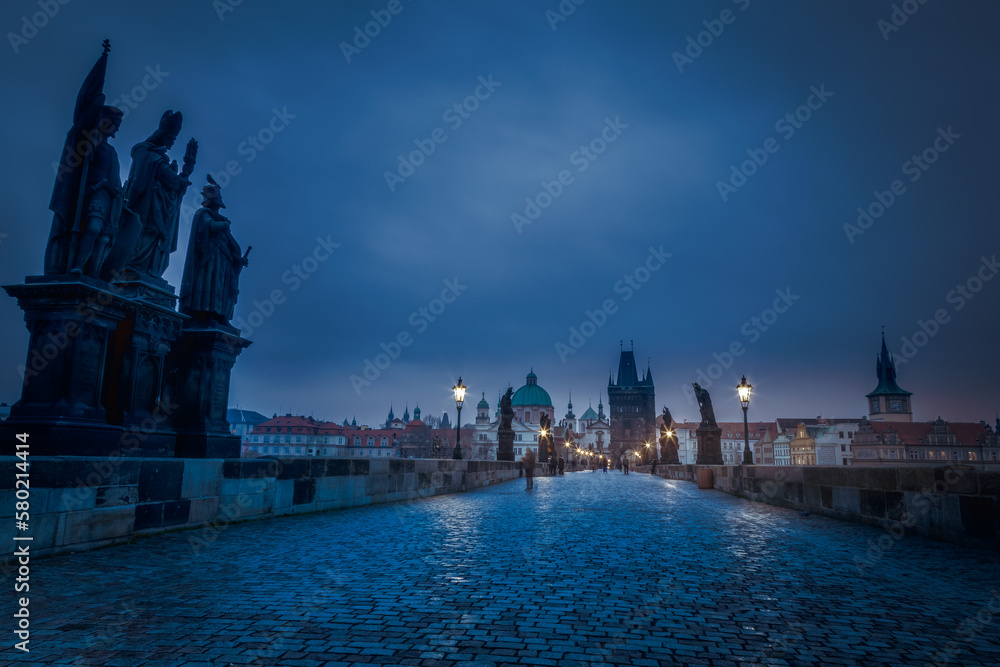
(705, 405)
(154, 191)
(212, 269)
(506, 410)
(87, 197)
(668, 439)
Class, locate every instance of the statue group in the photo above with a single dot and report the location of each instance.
(106, 230)
(98, 375)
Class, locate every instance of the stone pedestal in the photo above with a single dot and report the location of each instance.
(201, 361)
(505, 447)
(71, 321)
(709, 445)
(103, 369)
(139, 386)
(668, 451)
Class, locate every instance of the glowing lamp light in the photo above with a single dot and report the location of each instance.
(744, 388)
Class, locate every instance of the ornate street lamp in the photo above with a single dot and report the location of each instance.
(744, 388)
(459, 390)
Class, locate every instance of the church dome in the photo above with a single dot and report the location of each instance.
(483, 405)
(531, 393)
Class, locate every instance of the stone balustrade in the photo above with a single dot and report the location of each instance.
(79, 503)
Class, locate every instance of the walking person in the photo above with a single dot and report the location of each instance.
(562, 466)
(625, 466)
(528, 460)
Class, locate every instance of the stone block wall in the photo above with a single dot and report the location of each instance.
(80, 503)
(955, 503)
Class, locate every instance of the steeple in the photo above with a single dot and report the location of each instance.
(600, 407)
(627, 374)
(569, 408)
(885, 371)
(483, 411)
(391, 416)
(406, 415)
(416, 413)
(888, 402)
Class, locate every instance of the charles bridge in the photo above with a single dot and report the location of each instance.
(136, 536)
(589, 568)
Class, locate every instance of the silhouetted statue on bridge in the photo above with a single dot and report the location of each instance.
(505, 433)
(705, 405)
(154, 192)
(87, 196)
(544, 438)
(668, 440)
(212, 270)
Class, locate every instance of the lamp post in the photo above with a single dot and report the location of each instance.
(459, 390)
(744, 388)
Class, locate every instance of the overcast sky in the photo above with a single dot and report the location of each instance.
(621, 128)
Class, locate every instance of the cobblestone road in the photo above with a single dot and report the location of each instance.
(587, 569)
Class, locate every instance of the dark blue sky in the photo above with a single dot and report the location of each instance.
(608, 68)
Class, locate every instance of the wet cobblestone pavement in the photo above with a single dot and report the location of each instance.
(587, 569)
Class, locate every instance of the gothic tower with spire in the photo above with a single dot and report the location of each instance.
(632, 402)
(888, 403)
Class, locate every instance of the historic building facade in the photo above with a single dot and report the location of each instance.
(937, 442)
